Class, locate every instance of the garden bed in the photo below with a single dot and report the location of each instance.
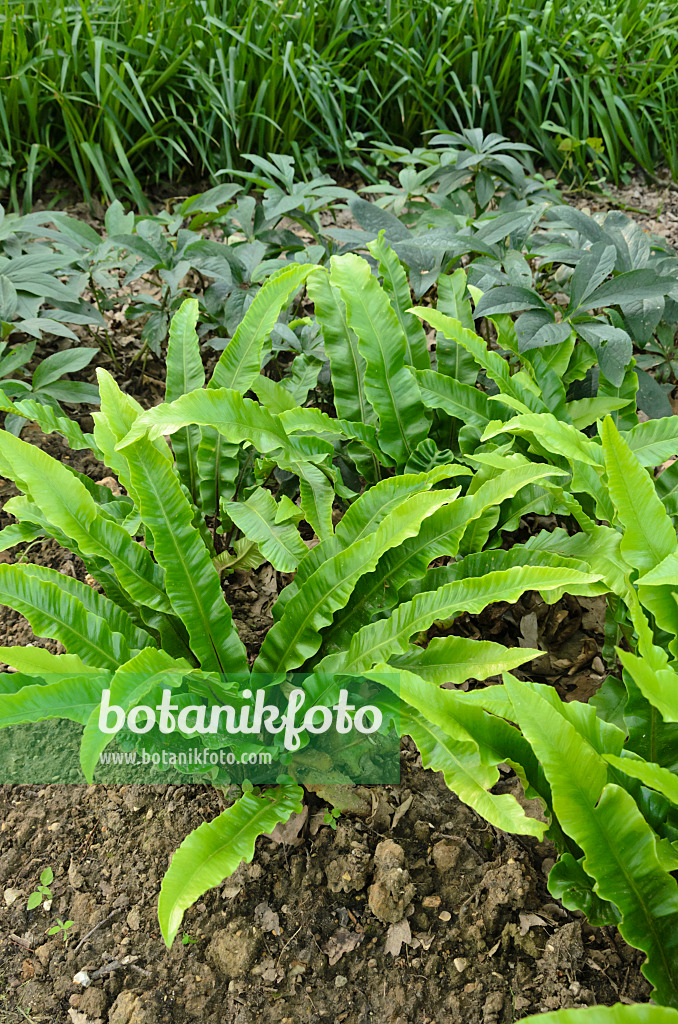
(316, 927)
(291, 937)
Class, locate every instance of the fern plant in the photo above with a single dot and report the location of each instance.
(605, 771)
(366, 592)
(160, 616)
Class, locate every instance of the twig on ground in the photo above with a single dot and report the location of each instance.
(115, 965)
(92, 930)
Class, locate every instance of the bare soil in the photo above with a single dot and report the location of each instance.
(413, 910)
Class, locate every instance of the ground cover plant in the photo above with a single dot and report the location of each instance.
(406, 421)
(425, 467)
(463, 214)
(117, 97)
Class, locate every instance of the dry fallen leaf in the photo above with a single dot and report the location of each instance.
(402, 809)
(343, 941)
(528, 921)
(267, 919)
(288, 832)
(396, 935)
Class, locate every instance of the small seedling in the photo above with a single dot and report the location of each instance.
(61, 926)
(187, 940)
(330, 817)
(43, 891)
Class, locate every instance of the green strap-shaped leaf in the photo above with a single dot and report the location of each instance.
(454, 659)
(463, 769)
(639, 1013)
(570, 884)
(452, 359)
(313, 421)
(379, 640)
(551, 434)
(218, 469)
(599, 546)
(130, 684)
(191, 581)
(50, 422)
(296, 636)
(240, 361)
(497, 369)
(53, 611)
(654, 441)
(185, 373)
(649, 535)
(361, 518)
(67, 504)
(439, 537)
(480, 563)
(19, 533)
(389, 385)
(372, 507)
(280, 543)
(12, 682)
(38, 661)
(656, 681)
(316, 496)
(649, 669)
(215, 849)
(664, 574)
(464, 402)
(618, 844)
(652, 775)
(271, 393)
(116, 617)
(72, 697)
(347, 365)
(113, 422)
(238, 419)
(586, 411)
(397, 288)
(657, 590)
